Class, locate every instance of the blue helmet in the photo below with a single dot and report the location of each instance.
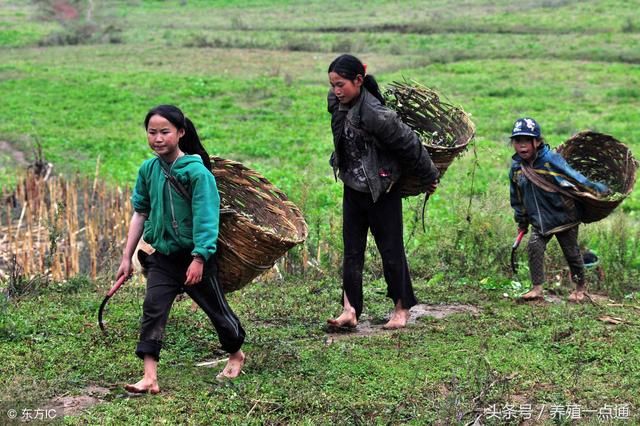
(526, 127)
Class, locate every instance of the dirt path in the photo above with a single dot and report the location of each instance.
(366, 328)
(10, 155)
(68, 405)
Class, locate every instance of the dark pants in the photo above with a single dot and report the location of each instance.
(384, 218)
(568, 241)
(165, 280)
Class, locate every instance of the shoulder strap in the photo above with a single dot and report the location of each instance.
(177, 186)
(533, 177)
(576, 193)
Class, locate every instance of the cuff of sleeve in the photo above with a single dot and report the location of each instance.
(201, 253)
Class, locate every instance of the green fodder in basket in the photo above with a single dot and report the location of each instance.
(421, 109)
(614, 185)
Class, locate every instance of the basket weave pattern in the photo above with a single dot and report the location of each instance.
(445, 130)
(258, 224)
(601, 158)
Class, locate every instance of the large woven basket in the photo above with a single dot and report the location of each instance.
(601, 158)
(445, 130)
(258, 224)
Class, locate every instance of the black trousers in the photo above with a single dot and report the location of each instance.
(568, 241)
(165, 280)
(384, 218)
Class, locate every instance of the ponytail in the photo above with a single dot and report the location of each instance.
(371, 85)
(349, 67)
(189, 143)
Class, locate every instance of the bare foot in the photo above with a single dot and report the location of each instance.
(533, 294)
(233, 367)
(144, 386)
(346, 319)
(398, 319)
(577, 296)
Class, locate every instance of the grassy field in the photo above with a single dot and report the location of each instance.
(252, 76)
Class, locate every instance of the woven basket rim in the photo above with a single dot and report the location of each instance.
(589, 134)
(279, 197)
(446, 106)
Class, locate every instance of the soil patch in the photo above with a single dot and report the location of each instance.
(367, 328)
(73, 405)
(440, 311)
(555, 299)
(17, 158)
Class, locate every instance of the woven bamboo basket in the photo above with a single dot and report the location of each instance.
(601, 158)
(444, 129)
(258, 224)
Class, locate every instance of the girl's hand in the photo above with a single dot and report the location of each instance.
(126, 268)
(432, 187)
(194, 272)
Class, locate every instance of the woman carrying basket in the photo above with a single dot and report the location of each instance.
(373, 147)
(548, 212)
(176, 206)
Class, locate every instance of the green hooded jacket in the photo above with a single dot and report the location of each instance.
(173, 223)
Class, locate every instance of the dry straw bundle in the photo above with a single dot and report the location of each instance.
(445, 130)
(57, 227)
(601, 158)
(258, 224)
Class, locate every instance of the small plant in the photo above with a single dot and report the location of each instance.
(629, 26)
(301, 44)
(17, 284)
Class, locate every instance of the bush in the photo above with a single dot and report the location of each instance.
(80, 23)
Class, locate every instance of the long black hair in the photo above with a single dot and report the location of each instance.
(189, 143)
(348, 66)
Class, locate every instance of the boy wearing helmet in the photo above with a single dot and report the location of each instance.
(549, 213)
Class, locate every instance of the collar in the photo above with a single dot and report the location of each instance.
(353, 111)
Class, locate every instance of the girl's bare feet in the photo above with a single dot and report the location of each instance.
(348, 316)
(533, 294)
(399, 318)
(578, 295)
(149, 382)
(233, 367)
(346, 319)
(144, 386)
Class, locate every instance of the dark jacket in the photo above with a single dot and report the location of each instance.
(548, 212)
(391, 148)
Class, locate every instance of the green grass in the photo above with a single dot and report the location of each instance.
(556, 354)
(256, 91)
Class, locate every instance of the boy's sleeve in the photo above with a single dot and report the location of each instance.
(561, 166)
(205, 205)
(395, 136)
(140, 199)
(520, 213)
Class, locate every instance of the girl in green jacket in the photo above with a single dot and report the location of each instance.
(176, 210)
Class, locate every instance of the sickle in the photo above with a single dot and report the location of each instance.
(516, 243)
(111, 292)
(424, 207)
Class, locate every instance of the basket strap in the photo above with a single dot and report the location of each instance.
(530, 173)
(533, 177)
(180, 189)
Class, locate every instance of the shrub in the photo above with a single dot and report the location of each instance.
(81, 23)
